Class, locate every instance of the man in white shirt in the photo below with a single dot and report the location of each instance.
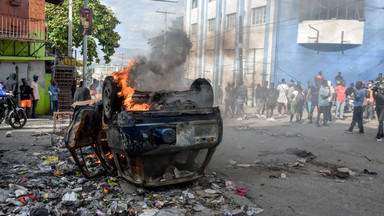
(282, 99)
(35, 94)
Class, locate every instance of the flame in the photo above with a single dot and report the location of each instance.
(109, 155)
(121, 78)
(105, 190)
(92, 156)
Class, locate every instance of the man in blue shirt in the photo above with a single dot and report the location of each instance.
(53, 95)
(358, 108)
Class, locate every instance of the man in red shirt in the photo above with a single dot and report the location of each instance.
(340, 100)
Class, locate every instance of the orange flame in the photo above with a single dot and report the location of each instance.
(121, 78)
(105, 190)
(109, 155)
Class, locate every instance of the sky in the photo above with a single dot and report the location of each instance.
(139, 22)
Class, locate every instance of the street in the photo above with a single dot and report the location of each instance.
(255, 154)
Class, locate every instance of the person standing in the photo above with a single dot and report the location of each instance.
(35, 94)
(378, 94)
(370, 108)
(54, 91)
(10, 84)
(359, 96)
(273, 94)
(264, 97)
(308, 99)
(340, 100)
(258, 98)
(297, 99)
(379, 79)
(338, 79)
(219, 93)
(227, 100)
(73, 88)
(331, 100)
(315, 101)
(282, 99)
(324, 94)
(25, 97)
(242, 97)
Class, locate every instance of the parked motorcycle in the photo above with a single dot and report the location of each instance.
(12, 113)
(349, 104)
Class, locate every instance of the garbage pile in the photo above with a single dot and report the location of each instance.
(53, 185)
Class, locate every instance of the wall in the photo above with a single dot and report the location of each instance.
(363, 62)
(27, 70)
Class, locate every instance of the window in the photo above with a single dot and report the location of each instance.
(194, 29)
(194, 4)
(258, 15)
(211, 25)
(332, 9)
(211, 0)
(231, 21)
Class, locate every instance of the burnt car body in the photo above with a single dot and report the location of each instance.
(170, 143)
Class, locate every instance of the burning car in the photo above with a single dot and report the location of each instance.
(148, 138)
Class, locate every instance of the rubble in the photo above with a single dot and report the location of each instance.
(52, 185)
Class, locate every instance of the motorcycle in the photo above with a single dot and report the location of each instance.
(349, 104)
(12, 113)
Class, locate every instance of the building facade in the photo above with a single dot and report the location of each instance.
(257, 40)
(23, 33)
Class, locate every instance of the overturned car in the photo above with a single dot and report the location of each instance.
(148, 138)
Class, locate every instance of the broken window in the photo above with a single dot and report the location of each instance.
(332, 9)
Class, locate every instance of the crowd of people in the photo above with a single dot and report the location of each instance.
(330, 102)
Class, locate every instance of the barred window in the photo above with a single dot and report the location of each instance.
(194, 29)
(258, 15)
(231, 21)
(211, 25)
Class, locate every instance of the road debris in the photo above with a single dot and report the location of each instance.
(51, 184)
(369, 173)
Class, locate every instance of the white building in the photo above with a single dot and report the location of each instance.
(102, 71)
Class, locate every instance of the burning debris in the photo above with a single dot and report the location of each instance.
(148, 138)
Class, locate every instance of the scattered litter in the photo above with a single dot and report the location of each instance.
(254, 211)
(283, 175)
(52, 160)
(302, 160)
(8, 134)
(369, 173)
(40, 133)
(242, 191)
(346, 170)
(339, 181)
(228, 183)
(327, 172)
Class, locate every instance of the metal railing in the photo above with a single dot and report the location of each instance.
(22, 28)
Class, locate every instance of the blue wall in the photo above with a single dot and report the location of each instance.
(360, 63)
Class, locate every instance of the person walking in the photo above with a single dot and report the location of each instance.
(315, 101)
(331, 100)
(258, 98)
(297, 99)
(54, 91)
(25, 97)
(340, 91)
(359, 96)
(308, 98)
(35, 94)
(378, 94)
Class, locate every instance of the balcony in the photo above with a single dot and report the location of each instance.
(23, 29)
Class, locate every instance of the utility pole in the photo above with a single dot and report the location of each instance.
(70, 29)
(122, 60)
(165, 13)
(240, 57)
(85, 51)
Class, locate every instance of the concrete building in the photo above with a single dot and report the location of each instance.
(257, 40)
(23, 33)
(102, 71)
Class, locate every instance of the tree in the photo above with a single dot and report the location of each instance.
(103, 29)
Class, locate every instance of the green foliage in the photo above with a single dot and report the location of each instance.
(103, 29)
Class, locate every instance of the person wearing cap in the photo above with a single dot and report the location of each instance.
(35, 94)
(54, 91)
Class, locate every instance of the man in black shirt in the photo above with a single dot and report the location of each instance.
(25, 97)
(378, 95)
(338, 79)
